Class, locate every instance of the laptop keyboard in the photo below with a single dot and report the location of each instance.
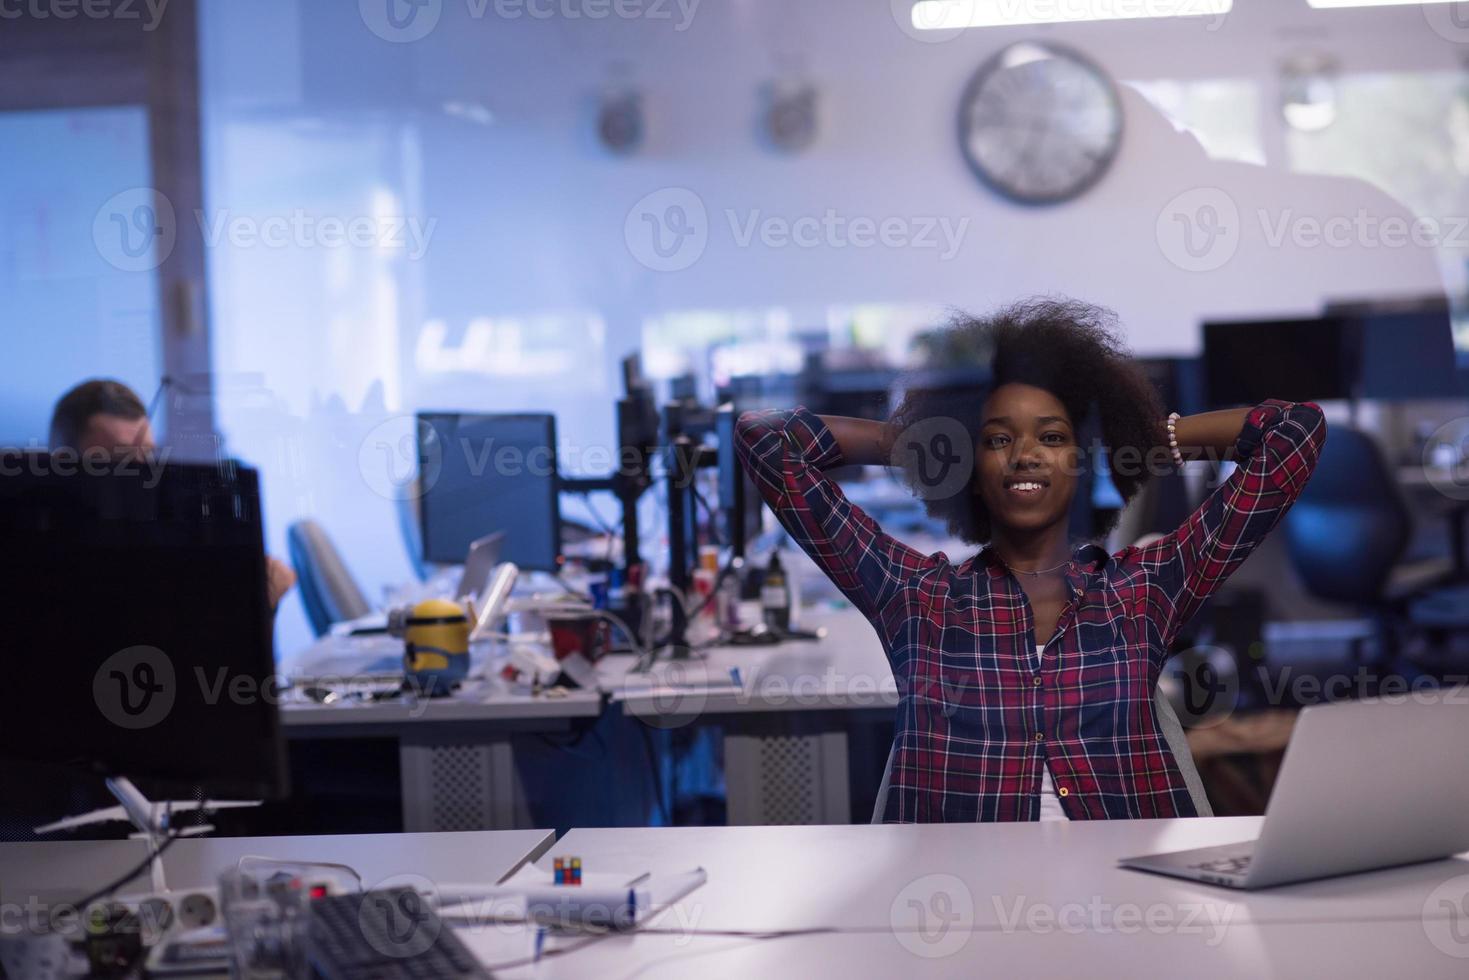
(1237, 865)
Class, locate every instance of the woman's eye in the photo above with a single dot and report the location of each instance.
(996, 442)
(1053, 438)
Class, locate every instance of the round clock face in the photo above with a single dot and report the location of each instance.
(1040, 124)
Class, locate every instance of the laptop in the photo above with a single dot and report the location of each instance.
(484, 555)
(1364, 785)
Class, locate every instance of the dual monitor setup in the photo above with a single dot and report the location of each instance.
(482, 473)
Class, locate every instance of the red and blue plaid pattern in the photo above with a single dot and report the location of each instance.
(976, 721)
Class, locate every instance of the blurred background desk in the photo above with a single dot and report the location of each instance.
(456, 759)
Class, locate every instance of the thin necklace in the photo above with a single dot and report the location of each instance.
(1041, 571)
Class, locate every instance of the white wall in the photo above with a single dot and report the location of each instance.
(75, 304)
(306, 108)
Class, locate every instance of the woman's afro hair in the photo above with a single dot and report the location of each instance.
(1066, 347)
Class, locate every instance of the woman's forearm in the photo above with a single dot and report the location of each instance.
(1210, 435)
(862, 441)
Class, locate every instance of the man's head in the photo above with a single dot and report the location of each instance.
(101, 415)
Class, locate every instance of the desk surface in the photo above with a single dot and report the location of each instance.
(934, 900)
(65, 868)
(808, 877)
(338, 660)
(845, 670)
(1348, 950)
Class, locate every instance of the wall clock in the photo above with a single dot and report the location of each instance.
(1040, 123)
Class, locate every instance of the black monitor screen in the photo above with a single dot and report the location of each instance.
(138, 629)
(1409, 355)
(734, 483)
(1295, 360)
(487, 473)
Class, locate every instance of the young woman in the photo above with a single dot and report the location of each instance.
(1026, 673)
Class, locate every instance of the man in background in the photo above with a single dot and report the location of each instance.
(107, 416)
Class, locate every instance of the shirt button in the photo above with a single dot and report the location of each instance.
(1063, 791)
(1035, 681)
(1040, 737)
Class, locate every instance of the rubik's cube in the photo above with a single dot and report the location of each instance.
(567, 870)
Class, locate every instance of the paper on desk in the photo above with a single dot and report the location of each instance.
(606, 899)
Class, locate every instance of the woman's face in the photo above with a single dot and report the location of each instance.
(1025, 458)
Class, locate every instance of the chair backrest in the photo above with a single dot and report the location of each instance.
(1350, 526)
(327, 589)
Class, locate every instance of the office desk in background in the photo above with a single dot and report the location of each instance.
(786, 727)
(456, 759)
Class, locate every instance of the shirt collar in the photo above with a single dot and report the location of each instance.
(1087, 561)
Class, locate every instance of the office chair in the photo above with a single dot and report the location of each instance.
(1346, 535)
(328, 591)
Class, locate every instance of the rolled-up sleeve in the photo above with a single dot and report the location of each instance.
(1276, 453)
(785, 453)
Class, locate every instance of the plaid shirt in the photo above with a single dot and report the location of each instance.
(976, 720)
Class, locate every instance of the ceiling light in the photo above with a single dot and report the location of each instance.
(948, 15)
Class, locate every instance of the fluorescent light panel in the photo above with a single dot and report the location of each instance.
(1332, 4)
(948, 15)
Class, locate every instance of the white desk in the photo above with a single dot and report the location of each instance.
(69, 867)
(1001, 899)
(1287, 952)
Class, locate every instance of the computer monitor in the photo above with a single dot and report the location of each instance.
(1297, 360)
(1406, 353)
(487, 473)
(739, 500)
(138, 630)
(1179, 381)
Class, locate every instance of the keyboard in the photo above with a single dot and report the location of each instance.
(1236, 865)
(390, 934)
